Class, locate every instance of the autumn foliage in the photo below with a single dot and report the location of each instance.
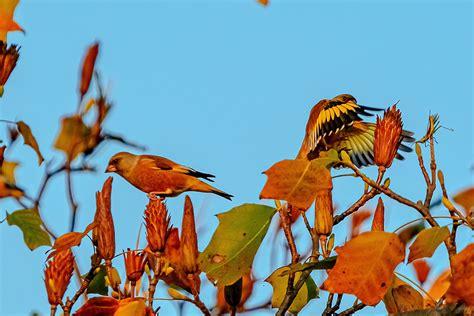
(362, 266)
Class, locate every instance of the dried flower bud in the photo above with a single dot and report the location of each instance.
(189, 247)
(104, 232)
(324, 212)
(388, 136)
(2, 151)
(157, 223)
(57, 275)
(135, 264)
(88, 68)
(8, 59)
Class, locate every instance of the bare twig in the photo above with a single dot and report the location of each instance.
(71, 199)
(388, 192)
(199, 304)
(353, 309)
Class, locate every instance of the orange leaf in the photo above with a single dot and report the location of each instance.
(88, 68)
(465, 198)
(365, 266)
(132, 306)
(440, 285)
(427, 241)
(422, 269)
(7, 24)
(264, 2)
(379, 217)
(104, 306)
(297, 181)
(357, 220)
(462, 281)
(69, 240)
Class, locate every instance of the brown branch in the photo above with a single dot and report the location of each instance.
(424, 211)
(291, 290)
(291, 293)
(366, 196)
(199, 304)
(353, 309)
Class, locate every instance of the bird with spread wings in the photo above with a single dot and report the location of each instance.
(336, 124)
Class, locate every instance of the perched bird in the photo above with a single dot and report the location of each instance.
(336, 124)
(159, 176)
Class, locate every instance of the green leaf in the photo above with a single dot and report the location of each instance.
(279, 283)
(98, 284)
(235, 242)
(320, 265)
(30, 223)
(29, 139)
(427, 241)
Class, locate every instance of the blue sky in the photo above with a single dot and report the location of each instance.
(226, 87)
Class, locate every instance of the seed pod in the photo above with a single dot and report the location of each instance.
(57, 275)
(233, 293)
(324, 212)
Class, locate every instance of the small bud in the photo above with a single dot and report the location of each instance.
(157, 224)
(418, 149)
(441, 177)
(104, 233)
(447, 203)
(8, 59)
(134, 264)
(177, 295)
(189, 247)
(386, 183)
(57, 275)
(388, 136)
(379, 217)
(331, 243)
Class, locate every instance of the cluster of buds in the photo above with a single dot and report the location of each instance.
(57, 275)
(388, 136)
(8, 58)
(173, 259)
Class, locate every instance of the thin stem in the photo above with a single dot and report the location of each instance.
(388, 192)
(353, 309)
(199, 304)
(71, 199)
(416, 285)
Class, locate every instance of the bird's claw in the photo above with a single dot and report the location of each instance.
(153, 196)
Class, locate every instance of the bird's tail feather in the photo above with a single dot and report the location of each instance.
(204, 187)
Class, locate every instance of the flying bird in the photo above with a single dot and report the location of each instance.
(159, 176)
(336, 124)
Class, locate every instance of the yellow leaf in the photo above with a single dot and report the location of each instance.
(427, 241)
(461, 288)
(365, 266)
(73, 138)
(279, 283)
(29, 139)
(7, 24)
(131, 306)
(8, 170)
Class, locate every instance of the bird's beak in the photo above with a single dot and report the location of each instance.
(110, 168)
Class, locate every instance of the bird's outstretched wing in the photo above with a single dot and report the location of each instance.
(358, 141)
(161, 163)
(332, 116)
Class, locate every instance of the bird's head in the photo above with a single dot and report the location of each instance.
(345, 98)
(122, 163)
